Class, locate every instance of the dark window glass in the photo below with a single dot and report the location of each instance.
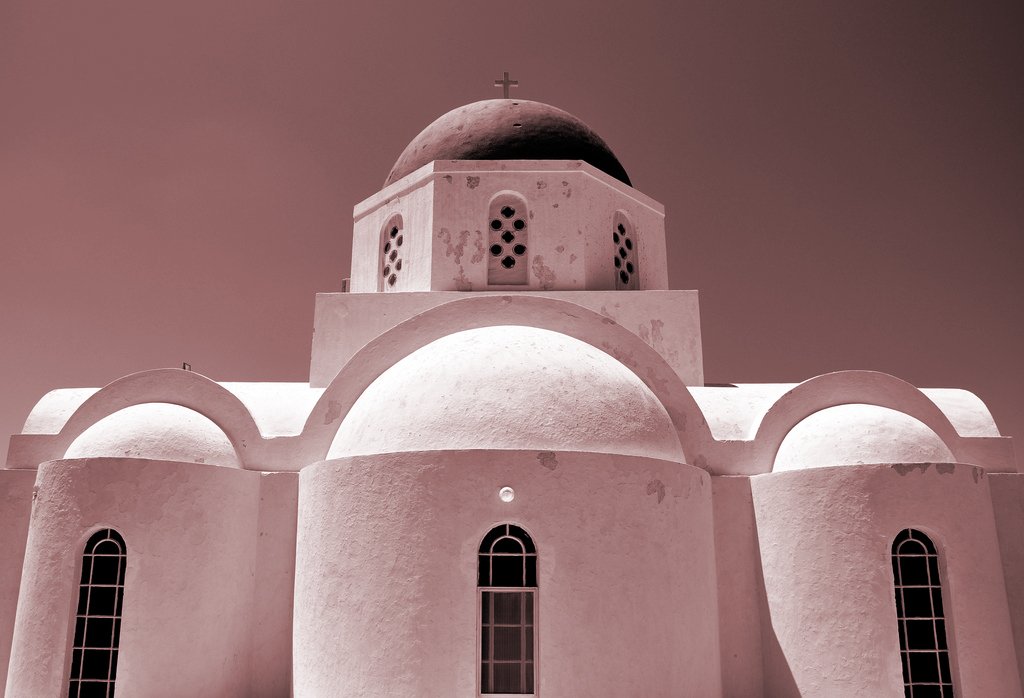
(922, 628)
(97, 618)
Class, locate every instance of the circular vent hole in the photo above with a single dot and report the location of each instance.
(519, 224)
(398, 240)
(398, 265)
(508, 211)
(496, 224)
(392, 279)
(508, 262)
(622, 229)
(508, 236)
(615, 238)
(519, 250)
(629, 267)
(387, 247)
(618, 262)
(629, 244)
(496, 250)
(622, 253)
(624, 276)
(387, 270)
(394, 232)
(394, 255)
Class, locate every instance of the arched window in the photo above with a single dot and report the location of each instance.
(392, 237)
(508, 239)
(98, 619)
(625, 253)
(508, 585)
(919, 613)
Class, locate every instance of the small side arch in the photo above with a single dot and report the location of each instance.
(846, 388)
(165, 385)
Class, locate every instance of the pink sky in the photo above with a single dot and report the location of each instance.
(844, 182)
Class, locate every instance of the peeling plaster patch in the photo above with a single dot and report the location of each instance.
(567, 193)
(905, 468)
(548, 459)
(448, 178)
(572, 258)
(461, 282)
(564, 183)
(333, 411)
(454, 250)
(554, 205)
(478, 243)
(560, 249)
(656, 486)
(944, 468)
(545, 274)
(657, 338)
(472, 182)
(541, 184)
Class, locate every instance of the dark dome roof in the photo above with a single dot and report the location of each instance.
(507, 129)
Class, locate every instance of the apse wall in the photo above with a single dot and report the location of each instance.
(825, 538)
(386, 596)
(191, 532)
(15, 508)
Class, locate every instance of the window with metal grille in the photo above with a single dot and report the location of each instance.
(922, 625)
(98, 618)
(508, 237)
(507, 595)
(391, 239)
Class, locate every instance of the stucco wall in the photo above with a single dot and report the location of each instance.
(740, 592)
(1008, 506)
(275, 582)
(189, 530)
(15, 508)
(627, 592)
(572, 207)
(825, 537)
(668, 321)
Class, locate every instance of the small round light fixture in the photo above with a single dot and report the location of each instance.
(507, 494)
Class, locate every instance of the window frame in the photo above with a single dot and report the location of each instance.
(930, 540)
(83, 549)
(534, 590)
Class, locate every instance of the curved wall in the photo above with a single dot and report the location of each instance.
(386, 573)
(189, 530)
(825, 540)
(15, 508)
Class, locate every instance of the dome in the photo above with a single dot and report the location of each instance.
(508, 387)
(159, 431)
(507, 129)
(856, 434)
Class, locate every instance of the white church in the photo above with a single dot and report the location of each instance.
(506, 476)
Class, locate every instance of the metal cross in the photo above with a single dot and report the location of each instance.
(505, 83)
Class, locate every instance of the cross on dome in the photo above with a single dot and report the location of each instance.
(505, 83)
